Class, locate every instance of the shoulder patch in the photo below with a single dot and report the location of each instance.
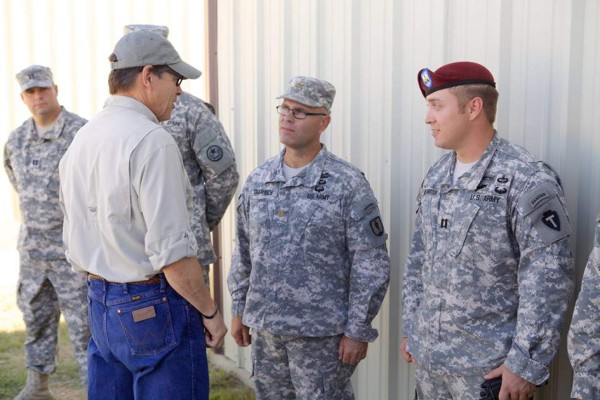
(367, 217)
(536, 198)
(550, 222)
(214, 153)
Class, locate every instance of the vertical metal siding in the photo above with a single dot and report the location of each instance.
(544, 55)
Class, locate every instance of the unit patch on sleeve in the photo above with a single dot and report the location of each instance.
(377, 226)
(546, 213)
(214, 153)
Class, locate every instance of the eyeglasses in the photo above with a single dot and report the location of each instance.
(178, 81)
(298, 114)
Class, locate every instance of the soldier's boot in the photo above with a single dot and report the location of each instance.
(36, 387)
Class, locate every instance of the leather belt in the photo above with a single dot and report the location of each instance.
(152, 281)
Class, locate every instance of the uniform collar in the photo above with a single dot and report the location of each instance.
(53, 133)
(308, 177)
(471, 180)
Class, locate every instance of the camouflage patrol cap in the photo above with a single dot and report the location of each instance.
(141, 48)
(35, 76)
(454, 74)
(160, 29)
(309, 91)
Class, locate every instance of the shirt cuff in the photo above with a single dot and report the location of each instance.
(171, 249)
(237, 308)
(361, 332)
(585, 386)
(521, 364)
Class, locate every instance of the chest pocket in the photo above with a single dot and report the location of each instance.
(316, 222)
(428, 219)
(462, 225)
(259, 218)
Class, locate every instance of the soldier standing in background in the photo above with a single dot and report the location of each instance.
(584, 335)
(310, 268)
(208, 159)
(47, 284)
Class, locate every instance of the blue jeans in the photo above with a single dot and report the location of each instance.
(147, 343)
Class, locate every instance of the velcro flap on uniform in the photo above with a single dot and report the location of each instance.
(367, 212)
(536, 198)
(143, 314)
(364, 207)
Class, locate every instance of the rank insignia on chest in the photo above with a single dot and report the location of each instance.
(36, 162)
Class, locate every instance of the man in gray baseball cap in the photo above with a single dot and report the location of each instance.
(127, 203)
(310, 268)
(47, 284)
(208, 158)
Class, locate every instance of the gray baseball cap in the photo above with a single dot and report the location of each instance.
(309, 91)
(141, 48)
(35, 76)
(160, 29)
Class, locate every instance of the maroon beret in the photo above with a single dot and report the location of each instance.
(454, 74)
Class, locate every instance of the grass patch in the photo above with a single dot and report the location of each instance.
(64, 383)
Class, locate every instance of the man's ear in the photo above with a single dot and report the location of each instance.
(146, 75)
(325, 123)
(475, 107)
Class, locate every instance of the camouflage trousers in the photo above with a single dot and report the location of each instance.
(292, 367)
(46, 288)
(435, 386)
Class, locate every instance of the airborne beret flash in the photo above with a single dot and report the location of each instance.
(454, 74)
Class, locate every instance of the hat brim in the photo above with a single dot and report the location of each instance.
(32, 84)
(301, 99)
(186, 70)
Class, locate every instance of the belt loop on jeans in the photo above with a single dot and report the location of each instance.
(163, 283)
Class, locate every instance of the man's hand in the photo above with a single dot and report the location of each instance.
(185, 276)
(513, 386)
(405, 354)
(352, 351)
(240, 332)
(214, 331)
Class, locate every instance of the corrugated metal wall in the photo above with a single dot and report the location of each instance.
(545, 55)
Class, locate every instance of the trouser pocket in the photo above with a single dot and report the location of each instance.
(148, 326)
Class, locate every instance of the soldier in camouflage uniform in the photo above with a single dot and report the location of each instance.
(208, 159)
(310, 268)
(489, 275)
(47, 284)
(584, 336)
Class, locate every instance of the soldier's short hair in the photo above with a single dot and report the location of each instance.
(121, 80)
(487, 93)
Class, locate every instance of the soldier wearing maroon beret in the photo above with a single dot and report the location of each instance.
(490, 272)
